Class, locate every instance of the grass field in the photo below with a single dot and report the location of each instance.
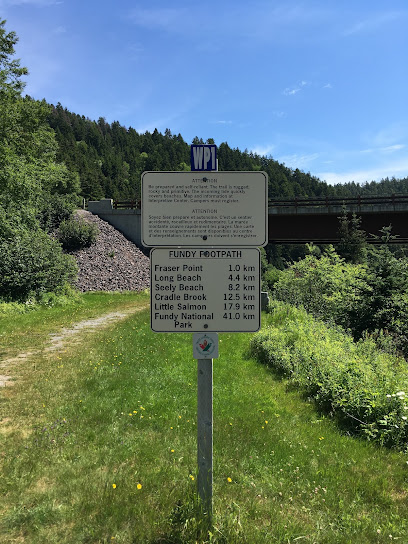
(98, 445)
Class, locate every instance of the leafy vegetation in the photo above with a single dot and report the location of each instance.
(370, 297)
(33, 264)
(366, 389)
(75, 233)
(30, 180)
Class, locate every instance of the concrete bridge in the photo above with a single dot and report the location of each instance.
(303, 220)
(296, 221)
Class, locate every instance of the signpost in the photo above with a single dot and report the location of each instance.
(205, 279)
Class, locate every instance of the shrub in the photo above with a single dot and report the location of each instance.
(76, 234)
(270, 278)
(365, 388)
(55, 209)
(327, 287)
(32, 264)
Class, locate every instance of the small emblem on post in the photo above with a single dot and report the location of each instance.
(205, 346)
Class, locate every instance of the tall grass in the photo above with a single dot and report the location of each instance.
(98, 445)
(364, 387)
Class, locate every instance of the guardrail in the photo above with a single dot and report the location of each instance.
(326, 201)
(126, 204)
(338, 201)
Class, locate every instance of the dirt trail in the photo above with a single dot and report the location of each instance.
(59, 340)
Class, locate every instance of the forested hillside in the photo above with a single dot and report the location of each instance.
(110, 159)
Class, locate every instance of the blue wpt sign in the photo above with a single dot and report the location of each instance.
(203, 157)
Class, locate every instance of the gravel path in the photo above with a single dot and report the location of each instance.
(112, 263)
(58, 340)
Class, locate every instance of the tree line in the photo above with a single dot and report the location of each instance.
(110, 159)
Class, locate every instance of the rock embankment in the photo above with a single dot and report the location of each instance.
(112, 263)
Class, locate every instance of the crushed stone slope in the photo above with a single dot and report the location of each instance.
(112, 263)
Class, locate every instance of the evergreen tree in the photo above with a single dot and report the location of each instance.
(353, 240)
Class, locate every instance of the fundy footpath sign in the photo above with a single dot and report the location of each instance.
(196, 289)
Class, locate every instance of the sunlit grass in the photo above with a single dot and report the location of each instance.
(99, 445)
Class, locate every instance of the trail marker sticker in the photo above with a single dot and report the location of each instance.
(205, 346)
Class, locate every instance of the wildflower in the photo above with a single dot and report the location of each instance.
(321, 437)
(401, 394)
(191, 477)
(229, 479)
(114, 486)
(172, 451)
(139, 486)
(404, 418)
(266, 421)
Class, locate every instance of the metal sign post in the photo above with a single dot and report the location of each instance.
(205, 433)
(205, 346)
(205, 278)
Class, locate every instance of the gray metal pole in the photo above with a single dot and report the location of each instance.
(205, 433)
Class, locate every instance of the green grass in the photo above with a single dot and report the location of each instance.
(20, 331)
(110, 412)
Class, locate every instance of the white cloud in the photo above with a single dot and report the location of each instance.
(373, 23)
(168, 18)
(398, 169)
(263, 151)
(392, 148)
(60, 30)
(291, 92)
(222, 122)
(298, 161)
(328, 86)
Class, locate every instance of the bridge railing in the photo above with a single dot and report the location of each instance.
(394, 200)
(126, 204)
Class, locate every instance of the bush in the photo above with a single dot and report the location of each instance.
(365, 388)
(76, 234)
(55, 209)
(270, 278)
(327, 287)
(32, 264)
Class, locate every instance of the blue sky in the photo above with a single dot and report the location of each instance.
(319, 85)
